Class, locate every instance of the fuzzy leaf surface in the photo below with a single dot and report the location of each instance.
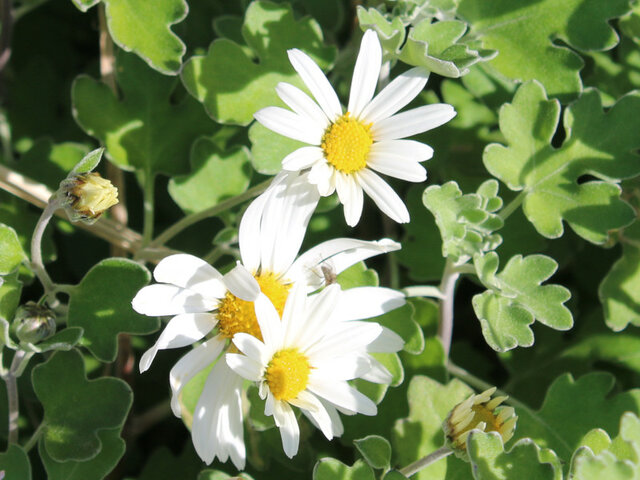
(332, 469)
(375, 449)
(11, 252)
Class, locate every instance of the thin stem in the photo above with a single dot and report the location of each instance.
(36, 245)
(424, 462)
(147, 229)
(6, 17)
(35, 437)
(18, 365)
(151, 417)
(189, 220)
(512, 206)
(423, 291)
(447, 288)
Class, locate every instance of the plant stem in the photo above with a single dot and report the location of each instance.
(512, 206)
(447, 289)
(35, 437)
(189, 220)
(423, 291)
(424, 462)
(36, 245)
(147, 229)
(18, 364)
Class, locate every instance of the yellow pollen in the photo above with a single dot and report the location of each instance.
(346, 144)
(287, 374)
(236, 315)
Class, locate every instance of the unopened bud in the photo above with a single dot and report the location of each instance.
(478, 412)
(33, 323)
(89, 195)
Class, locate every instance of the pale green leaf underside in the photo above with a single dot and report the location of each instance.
(11, 253)
(332, 469)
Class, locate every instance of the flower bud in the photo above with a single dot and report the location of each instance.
(33, 323)
(478, 412)
(89, 195)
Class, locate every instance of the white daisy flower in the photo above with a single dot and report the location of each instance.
(346, 148)
(306, 358)
(202, 299)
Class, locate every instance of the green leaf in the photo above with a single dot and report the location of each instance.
(11, 252)
(231, 85)
(14, 463)
(218, 475)
(421, 433)
(268, 149)
(525, 33)
(259, 421)
(357, 275)
(332, 469)
(76, 409)
(572, 408)
(10, 291)
(215, 176)
(145, 29)
(390, 32)
(49, 162)
(376, 450)
(88, 162)
(145, 129)
(101, 305)
(619, 291)
(401, 321)
(598, 144)
(163, 464)
(587, 466)
(112, 449)
(490, 461)
(466, 222)
(63, 340)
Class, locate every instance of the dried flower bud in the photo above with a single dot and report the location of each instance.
(88, 195)
(33, 323)
(478, 412)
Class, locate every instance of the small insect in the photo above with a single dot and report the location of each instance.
(329, 273)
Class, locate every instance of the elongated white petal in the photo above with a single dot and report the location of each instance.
(318, 414)
(300, 103)
(288, 425)
(289, 124)
(320, 176)
(181, 330)
(190, 365)
(251, 347)
(397, 167)
(339, 254)
(383, 195)
(412, 122)
(293, 316)
(242, 284)
(302, 158)
(160, 299)
(190, 272)
(244, 366)
(350, 195)
(365, 73)
(367, 302)
(337, 366)
(316, 82)
(396, 95)
(342, 395)
(320, 308)
(269, 321)
(410, 150)
(377, 373)
(345, 337)
(388, 341)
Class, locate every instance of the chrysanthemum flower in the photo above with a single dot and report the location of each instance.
(306, 358)
(346, 149)
(202, 300)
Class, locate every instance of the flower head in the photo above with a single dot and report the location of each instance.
(88, 196)
(34, 323)
(347, 148)
(478, 412)
(306, 358)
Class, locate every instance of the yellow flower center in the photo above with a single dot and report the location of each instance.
(346, 144)
(236, 315)
(287, 374)
(93, 194)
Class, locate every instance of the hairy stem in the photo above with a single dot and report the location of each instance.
(18, 364)
(424, 462)
(447, 289)
(512, 206)
(36, 245)
(147, 229)
(423, 291)
(35, 437)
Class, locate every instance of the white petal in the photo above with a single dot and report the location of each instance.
(397, 94)
(397, 167)
(316, 82)
(290, 125)
(320, 176)
(289, 430)
(407, 149)
(181, 330)
(342, 395)
(350, 195)
(242, 284)
(365, 73)
(244, 366)
(300, 103)
(318, 414)
(388, 342)
(249, 230)
(339, 254)
(377, 373)
(293, 316)
(190, 272)
(190, 365)
(269, 321)
(412, 122)
(383, 195)
(302, 158)
(319, 310)
(344, 367)
(345, 337)
(160, 299)
(252, 347)
(367, 302)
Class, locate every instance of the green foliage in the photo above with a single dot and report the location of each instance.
(73, 420)
(14, 463)
(515, 299)
(11, 252)
(550, 178)
(331, 469)
(375, 450)
(101, 305)
(231, 85)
